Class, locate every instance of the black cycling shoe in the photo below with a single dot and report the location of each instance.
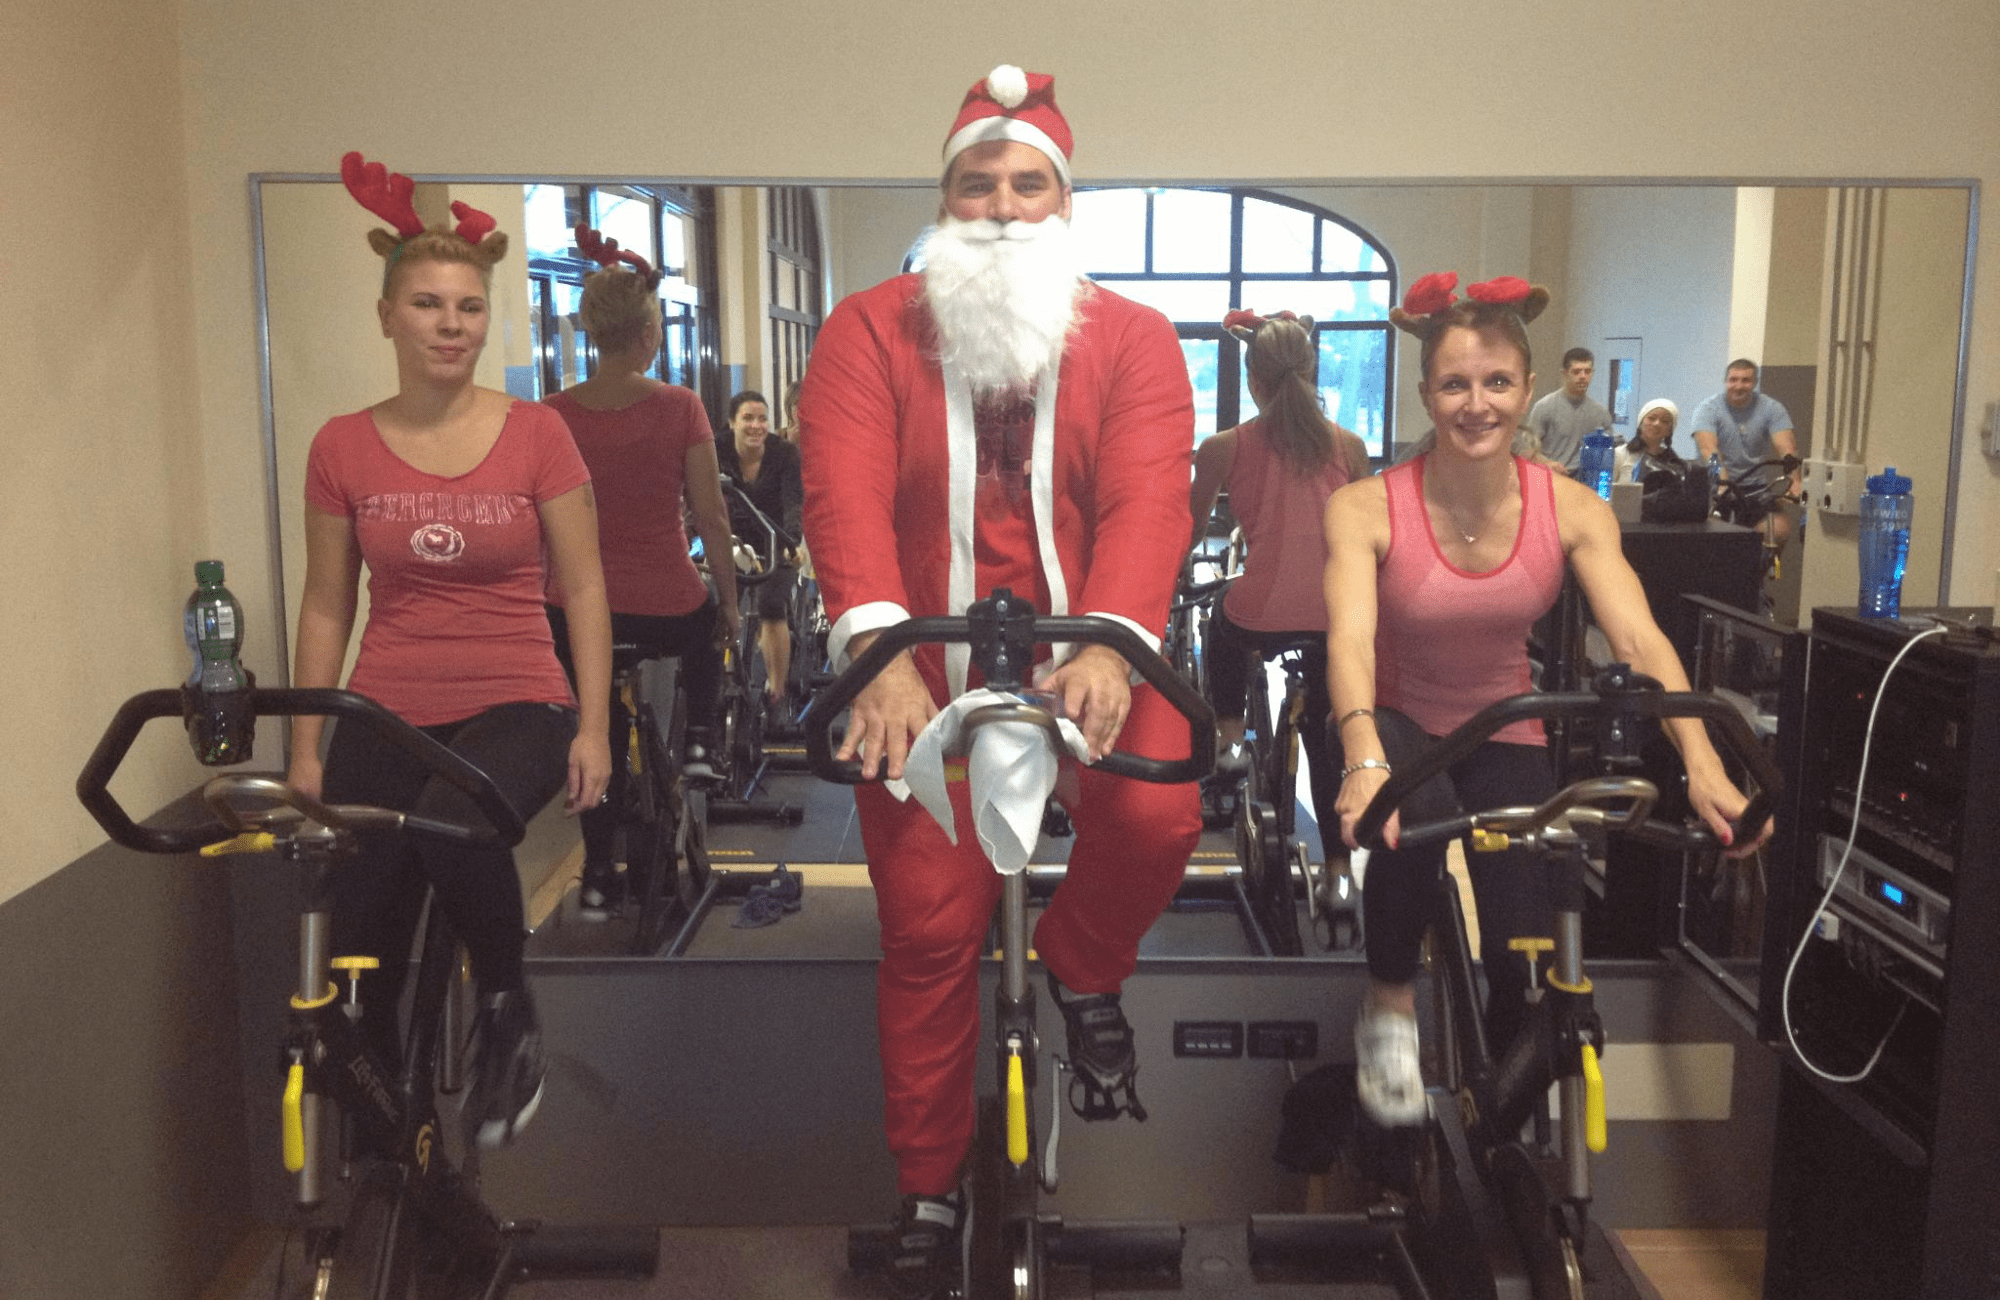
(508, 1073)
(926, 1257)
(1101, 1055)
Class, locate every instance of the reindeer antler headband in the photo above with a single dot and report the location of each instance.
(607, 254)
(1427, 306)
(1244, 323)
(389, 194)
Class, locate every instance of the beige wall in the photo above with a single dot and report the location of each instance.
(110, 499)
(94, 118)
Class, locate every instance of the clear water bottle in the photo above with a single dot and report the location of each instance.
(1594, 467)
(1714, 480)
(1886, 509)
(215, 702)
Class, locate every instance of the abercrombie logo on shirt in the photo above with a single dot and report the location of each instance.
(435, 539)
(481, 509)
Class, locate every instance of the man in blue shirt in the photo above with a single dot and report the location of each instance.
(1744, 426)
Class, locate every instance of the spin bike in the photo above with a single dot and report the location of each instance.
(742, 761)
(1003, 632)
(1470, 1197)
(415, 1224)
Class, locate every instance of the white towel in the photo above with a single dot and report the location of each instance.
(1011, 768)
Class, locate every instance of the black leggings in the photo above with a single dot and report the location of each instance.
(691, 637)
(379, 894)
(1229, 659)
(1509, 887)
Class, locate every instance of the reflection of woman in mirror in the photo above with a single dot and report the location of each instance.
(767, 468)
(648, 447)
(451, 494)
(1652, 447)
(1280, 468)
(789, 430)
(1437, 569)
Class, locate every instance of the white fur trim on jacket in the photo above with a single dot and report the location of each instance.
(871, 617)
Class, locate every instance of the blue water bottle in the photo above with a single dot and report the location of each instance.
(1714, 480)
(1885, 543)
(1594, 466)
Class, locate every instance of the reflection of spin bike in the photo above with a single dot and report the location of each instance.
(415, 1224)
(1003, 632)
(662, 816)
(1473, 1201)
(741, 763)
(1277, 865)
(1752, 499)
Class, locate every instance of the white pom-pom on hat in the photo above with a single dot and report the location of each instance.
(1008, 85)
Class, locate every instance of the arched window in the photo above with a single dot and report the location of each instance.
(1198, 254)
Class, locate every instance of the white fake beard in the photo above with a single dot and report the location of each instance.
(1004, 296)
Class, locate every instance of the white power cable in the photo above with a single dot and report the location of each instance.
(1812, 922)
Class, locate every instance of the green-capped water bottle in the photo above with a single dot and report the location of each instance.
(215, 702)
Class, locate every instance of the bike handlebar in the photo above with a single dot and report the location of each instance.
(504, 831)
(1610, 703)
(1042, 630)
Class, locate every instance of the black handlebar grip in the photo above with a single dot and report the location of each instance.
(93, 784)
(504, 829)
(893, 640)
(1738, 740)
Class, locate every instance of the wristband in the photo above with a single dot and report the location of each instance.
(1365, 764)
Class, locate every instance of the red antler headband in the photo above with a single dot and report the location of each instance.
(607, 254)
(388, 194)
(1244, 322)
(1430, 297)
(382, 192)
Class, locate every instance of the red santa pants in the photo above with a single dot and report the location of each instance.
(1133, 841)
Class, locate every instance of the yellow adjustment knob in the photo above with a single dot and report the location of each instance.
(1530, 945)
(356, 963)
(1595, 1135)
(1017, 1112)
(1489, 841)
(247, 842)
(294, 1118)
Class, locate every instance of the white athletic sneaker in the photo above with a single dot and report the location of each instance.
(1388, 1074)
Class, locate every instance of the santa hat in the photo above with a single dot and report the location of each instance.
(1009, 104)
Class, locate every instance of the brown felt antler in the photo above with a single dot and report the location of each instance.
(607, 254)
(385, 193)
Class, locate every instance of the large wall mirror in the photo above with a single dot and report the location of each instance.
(1853, 296)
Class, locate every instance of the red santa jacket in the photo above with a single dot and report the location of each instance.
(1111, 471)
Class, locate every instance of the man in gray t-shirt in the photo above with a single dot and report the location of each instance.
(1743, 426)
(1558, 424)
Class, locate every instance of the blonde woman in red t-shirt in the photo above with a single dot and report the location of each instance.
(1437, 568)
(1280, 469)
(452, 495)
(649, 448)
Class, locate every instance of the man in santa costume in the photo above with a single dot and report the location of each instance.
(998, 420)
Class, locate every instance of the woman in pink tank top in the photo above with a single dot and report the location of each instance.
(1280, 467)
(1436, 570)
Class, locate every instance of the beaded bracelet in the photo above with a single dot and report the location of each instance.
(1363, 765)
(1351, 715)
